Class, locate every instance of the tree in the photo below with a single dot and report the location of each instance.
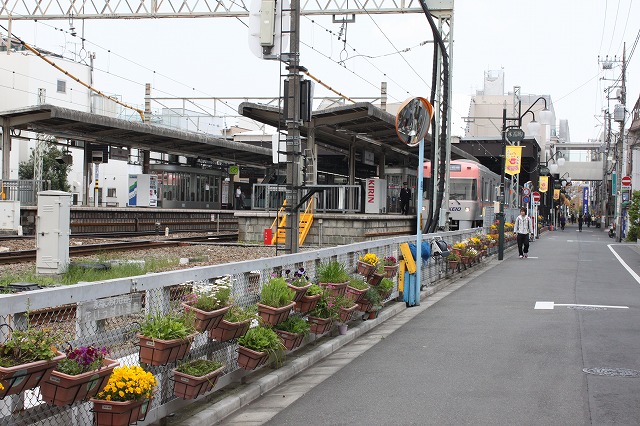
(52, 170)
(634, 216)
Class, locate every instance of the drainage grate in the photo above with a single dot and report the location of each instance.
(587, 308)
(612, 372)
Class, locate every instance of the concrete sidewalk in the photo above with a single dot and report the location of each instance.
(220, 406)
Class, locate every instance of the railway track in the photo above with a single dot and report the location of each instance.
(86, 250)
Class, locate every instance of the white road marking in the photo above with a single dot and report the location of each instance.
(551, 305)
(631, 271)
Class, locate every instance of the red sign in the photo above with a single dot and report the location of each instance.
(536, 197)
(626, 181)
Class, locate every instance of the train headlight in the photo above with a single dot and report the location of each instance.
(466, 209)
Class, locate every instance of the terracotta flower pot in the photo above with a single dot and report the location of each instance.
(274, 316)
(364, 306)
(290, 340)
(374, 279)
(226, 330)
(307, 303)
(190, 387)
(300, 291)
(250, 359)
(453, 264)
(26, 376)
(356, 294)
(390, 271)
(161, 352)
(346, 314)
(62, 389)
(335, 289)
(365, 268)
(115, 413)
(319, 325)
(205, 321)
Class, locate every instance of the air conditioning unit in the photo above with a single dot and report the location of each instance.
(618, 113)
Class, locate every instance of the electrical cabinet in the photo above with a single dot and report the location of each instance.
(52, 232)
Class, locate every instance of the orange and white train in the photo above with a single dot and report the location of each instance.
(472, 187)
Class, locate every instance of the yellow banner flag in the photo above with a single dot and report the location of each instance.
(556, 194)
(513, 155)
(544, 183)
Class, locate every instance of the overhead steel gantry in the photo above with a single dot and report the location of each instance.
(152, 9)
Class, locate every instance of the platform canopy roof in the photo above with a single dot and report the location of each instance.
(362, 124)
(64, 123)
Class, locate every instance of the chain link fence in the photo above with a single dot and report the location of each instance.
(109, 314)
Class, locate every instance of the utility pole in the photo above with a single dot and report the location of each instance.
(619, 151)
(293, 132)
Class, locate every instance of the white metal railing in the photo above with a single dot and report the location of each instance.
(105, 314)
(328, 199)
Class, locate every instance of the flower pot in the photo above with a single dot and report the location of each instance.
(373, 314)
(335, 289)
(364, 306)
(226, 330)
(390, 271)
(300, 291)
(62, 389)
(274, 316)
(250, 359)
(115, 413)
(374, 279)
(307, 303)
(290, 340)
(205, 321)
(356, 294)
(26, 376)
(465, 260)
(190, 387)
(453, 264)
(342, 328)
(365, 268)
(319, 325)
(161, 352)
(346, 314)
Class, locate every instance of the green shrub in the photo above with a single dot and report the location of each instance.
(295, 325)
(167, 326)
(332, 272)
(199, 367)
(261, 339)
(276, 293)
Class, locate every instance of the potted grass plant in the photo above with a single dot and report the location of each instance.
(82, 374)
(256, 345)
(292, 331)
(385, 288)
(195, 378)
(276, 301)
(235, 323)
(165, 337)
(454, 260)
(333, 276)
(356, 288)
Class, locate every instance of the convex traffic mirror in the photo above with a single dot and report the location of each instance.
(413, 120)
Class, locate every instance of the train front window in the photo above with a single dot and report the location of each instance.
(462, 189)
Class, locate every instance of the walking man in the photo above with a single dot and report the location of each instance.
(523, 228)
(405, 196)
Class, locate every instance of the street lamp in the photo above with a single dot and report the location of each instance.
(515, 137)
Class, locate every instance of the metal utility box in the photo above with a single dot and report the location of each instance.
(618, 113)
(375, 196)
(143, 191)
(52, 232)
(10, 217)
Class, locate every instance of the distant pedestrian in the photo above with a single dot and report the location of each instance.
(573, 218)
(523, 229)
(405, 196)
(580, 220)
(563, 221)
(239, 198)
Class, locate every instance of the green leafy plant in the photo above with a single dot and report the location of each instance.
(239, 314)
(261, 339)
(199, 367)
(313, 290)
(332, 272)
(326, 307)
(453, 257)
(358, 283)
(343, 302)
(634, 216)
(373, 296)
(295, 325)
(276, 293)
(386, 286)
(30, 345)
(167, 326)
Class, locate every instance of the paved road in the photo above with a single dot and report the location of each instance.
(481, 353)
